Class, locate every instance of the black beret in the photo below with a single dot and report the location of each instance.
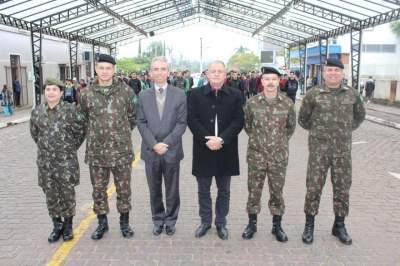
(270, 70)
(105, 58)
(334, 63)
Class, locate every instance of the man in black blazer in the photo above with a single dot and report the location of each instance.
(215, 117)
(162, 120)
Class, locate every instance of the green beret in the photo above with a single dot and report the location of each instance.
(52, 81)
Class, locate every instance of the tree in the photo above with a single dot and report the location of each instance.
(245, 62)
(241, 49)
(155, 49)
(133, 64)
(141, 62)
(395, 26)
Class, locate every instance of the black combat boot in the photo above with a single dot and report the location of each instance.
(67, 229)
(101, 228)
(57, 230)
(308, 234)
(251, 228)
(277, 229)
(126, 230)
(339, 230)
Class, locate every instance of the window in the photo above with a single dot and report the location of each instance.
(378, 48)
(373, 48)
(388, 48)
(267, 57)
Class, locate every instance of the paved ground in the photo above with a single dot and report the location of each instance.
(387, 113)
(373, 223)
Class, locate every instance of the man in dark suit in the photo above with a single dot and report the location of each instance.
(161, 120)
(215, 117)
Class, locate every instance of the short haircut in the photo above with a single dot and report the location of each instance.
(217, 62)
(160, 59)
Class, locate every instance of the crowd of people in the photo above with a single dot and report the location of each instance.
(106, 114)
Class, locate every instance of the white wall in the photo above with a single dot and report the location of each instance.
(54, 52)
(378, 65)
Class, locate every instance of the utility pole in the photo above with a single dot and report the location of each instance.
(201, 55)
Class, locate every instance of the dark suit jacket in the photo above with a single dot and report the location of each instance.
(202, 107)
(168, 130)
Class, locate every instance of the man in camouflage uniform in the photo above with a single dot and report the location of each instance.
(330, 112)
(270, 120)
(109, 113)
(55, 128)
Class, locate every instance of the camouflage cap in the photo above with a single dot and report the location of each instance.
(52, 81)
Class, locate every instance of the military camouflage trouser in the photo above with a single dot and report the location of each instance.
(60, 197)
(100, 177)
(318, 165)
(276, 180)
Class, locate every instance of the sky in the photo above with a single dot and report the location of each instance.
(218, 42)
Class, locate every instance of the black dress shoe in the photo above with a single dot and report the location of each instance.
(157, 230)
(170, 230)
(202, 230)
(222, 232)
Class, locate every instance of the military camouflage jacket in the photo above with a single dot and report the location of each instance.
(109, 118)
(57, 138)
(331, 115)
(269, 125)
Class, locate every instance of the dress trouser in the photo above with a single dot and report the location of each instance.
(155, 171)
(222, 202)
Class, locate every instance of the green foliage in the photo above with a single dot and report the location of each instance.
(135, 64)
(243, 60)
(141, 62)
(155, 49)
(395, 26)
(241, 49)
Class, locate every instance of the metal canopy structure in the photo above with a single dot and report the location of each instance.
(109, 23)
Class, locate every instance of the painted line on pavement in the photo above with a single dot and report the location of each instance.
(359, 142)
(395, 175)
(382, 121)
(62, 252)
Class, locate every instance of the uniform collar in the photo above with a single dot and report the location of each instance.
(324, 88)
(56, 108)
(262, 98)
(96, 86)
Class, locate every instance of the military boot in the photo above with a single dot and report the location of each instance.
(57, 230)
(101, 228)
(67, 229)
(339, 230)
(251, 228)
(308, 234)
(277, 229)
(126, 230)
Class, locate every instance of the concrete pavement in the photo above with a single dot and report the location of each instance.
(373, 223)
